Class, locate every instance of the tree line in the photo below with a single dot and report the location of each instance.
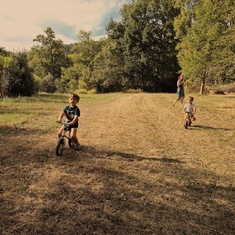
(154, 42)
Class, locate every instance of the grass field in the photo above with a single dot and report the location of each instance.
(139, 172)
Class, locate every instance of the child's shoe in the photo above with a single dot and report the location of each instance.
(78, 147)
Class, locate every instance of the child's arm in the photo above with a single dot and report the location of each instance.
(61, 116)
(181, 82)
(74, 120)
(194, 110)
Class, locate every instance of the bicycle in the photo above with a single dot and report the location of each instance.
(66, 134)
(188, 121)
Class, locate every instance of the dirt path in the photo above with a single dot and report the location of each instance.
(147, 125)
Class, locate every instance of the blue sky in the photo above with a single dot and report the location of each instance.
(22, 20)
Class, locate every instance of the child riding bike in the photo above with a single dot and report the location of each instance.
(71, 112)
(189, 110)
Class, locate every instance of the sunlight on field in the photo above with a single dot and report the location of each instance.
(139, 172)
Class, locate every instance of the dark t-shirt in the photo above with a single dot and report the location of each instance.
(71, 112)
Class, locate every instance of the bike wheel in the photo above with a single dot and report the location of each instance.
(71, 143)
(60, 147)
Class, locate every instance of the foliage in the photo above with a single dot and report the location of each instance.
(16, 78)
(109, 75)
(83, 55)
(140, 51)
(48, 56)
(81, 91)
(4, 52)
(154, 41)
(150, 46)
(206, 52)
(48, 84)
(92, 91)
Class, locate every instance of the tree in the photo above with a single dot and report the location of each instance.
(48, 84)
(109, 74)
(223, 66)
(82, 56)
(150, 53)
(140, 51)
(202, 35)
(48, 56)
(16, 77)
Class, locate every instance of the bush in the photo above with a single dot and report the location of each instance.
(81, 91)
(92, 91)
(223, 89)
(132, 91)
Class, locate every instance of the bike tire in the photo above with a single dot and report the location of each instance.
(186, 124)
(71, 143)
(60, 147)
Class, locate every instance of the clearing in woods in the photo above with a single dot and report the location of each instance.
(140, 171)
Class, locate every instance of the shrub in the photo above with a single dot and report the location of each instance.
(92, 91)
(138, 90)
(81, 91)
(223, 89)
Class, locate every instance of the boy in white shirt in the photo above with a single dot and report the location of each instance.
(189, 108)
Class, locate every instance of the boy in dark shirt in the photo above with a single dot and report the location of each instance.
(72, 113)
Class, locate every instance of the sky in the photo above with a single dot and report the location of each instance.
(22, 20)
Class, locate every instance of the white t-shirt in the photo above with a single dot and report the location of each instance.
(189, 107)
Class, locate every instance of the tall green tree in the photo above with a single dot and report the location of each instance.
(204, 29)
(109, 74)
(48, 56)
(223, 63)
(150, 45)
(16, 78)
(82, 56)
(140, 51)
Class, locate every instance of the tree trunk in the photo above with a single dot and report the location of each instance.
(202, 86)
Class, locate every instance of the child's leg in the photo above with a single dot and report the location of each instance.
(185, 116)
(181, 100)
(175, 102)
(60, 131)
(193, 118)
(74, 135)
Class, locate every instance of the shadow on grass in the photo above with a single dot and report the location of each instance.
(129, 156)
(106, 192)
(209, 128)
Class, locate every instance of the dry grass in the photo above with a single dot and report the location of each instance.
(139, 172)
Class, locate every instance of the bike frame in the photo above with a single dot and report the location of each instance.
(61, 141)
(65, 130)
(188, 115)
(188, 120)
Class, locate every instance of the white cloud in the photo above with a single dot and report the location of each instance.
(21, 21)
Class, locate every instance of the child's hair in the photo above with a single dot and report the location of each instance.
(191, 98)
(75, 96)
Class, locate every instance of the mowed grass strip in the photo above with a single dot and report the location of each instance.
(140, 171)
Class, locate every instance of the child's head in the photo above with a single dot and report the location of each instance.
(74, 96)
(190, 99)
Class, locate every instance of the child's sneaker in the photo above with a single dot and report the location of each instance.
(78, 147)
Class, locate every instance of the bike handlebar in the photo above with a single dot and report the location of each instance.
(65, 123)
